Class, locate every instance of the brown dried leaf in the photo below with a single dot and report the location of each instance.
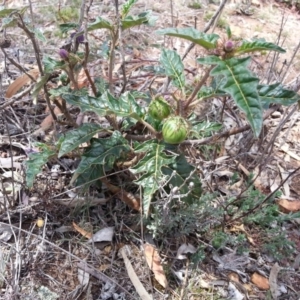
(132, 275)
(82, 80)
(233, 277)
(260, 281)
(20, 82)
(289, 206)
(154, 263)
(128, 198)
(82, 231)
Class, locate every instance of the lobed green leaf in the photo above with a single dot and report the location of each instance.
(207, 41)
(125, 106)
(51, 64)
(174, 67)
(100, 157)
(64, 28)
(80, 135)
(100, 23)
(257, 45)
(276, 93)
(126, 7)
(36, 161)
(150, 169)
(130, 21)
(241, 85)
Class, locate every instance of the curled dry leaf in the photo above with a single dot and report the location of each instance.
(132, 275)
(82, 231)
(83, 277)
(103, 235)
(234, 293)
(128, 198)
(260, 281)
(20, 82)
(289, 206)
(5, 232)
(154, 263)
(184, 249)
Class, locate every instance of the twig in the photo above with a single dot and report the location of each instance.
(31, 36)
(17, 97)
(265, 200)
(276, 54)
(207, 27)
(16, 64)
(290, 62)
(103, 277)
(182, 293)
(197, 88)
(215, 138)
(86, 71)
(172, 11)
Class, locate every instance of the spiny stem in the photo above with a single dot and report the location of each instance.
(197, 88)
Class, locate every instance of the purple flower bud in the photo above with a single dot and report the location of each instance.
(64, 54)
(79, 39)
(228, 47)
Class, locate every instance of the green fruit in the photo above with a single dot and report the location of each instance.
(175, 130)
(159, 109)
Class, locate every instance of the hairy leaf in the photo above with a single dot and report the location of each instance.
(51, 64)
(100, 23)
(39, 35)
(209, 92)
(39, 85)
(204, 129)
(126, 7)
(174, 67)
(207, 41)
(276, 93)
(241, 85)
(78, 136)
(125, 106)
(150, 169)
(64, 28)
(131, 21)
(9, 22)
(7, 11)
(100, 157)
(36, 161)
(257, 45)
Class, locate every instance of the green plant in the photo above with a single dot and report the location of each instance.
(134, 136)
(195, 5)
(221, 23)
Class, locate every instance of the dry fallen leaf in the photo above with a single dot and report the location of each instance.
(154, 263)
(288, 206)
(82, 231)
(83, 277)
(132, 275)
(103, 235)
(20, 82)
(260, 281)
(233, 277)
(241, 228)
(184, 249)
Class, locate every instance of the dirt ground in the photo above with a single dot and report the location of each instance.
(45, 256)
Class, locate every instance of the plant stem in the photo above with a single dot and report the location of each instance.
(197, 88)
(31, 36)
(151, 129)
